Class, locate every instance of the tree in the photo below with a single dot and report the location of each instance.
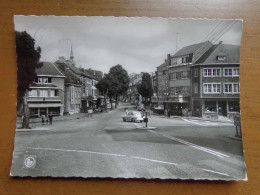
(103, 87)
(145, 88)
(115, 83)
(118, 80)
(27, 61)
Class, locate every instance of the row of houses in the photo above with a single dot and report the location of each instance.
(200, 80)
(62, 88)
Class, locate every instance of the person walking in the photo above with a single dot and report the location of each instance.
(50, 118)
(43, 118)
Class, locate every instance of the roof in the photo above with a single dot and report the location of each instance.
(70, 76)
(232, 53)
(189, 49)
(48, 69)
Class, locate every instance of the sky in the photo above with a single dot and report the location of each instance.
(139, 44)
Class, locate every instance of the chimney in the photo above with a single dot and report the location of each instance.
(220, 42)
(168, 56)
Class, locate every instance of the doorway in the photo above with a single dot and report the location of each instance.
(222, 108)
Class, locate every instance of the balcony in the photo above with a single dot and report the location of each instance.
(44, 99)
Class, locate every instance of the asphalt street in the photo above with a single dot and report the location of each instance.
(105, 146)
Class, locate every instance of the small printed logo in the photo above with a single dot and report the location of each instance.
(29, 161)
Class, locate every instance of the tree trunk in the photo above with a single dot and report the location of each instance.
(116, 102)
(25, 114)
(111, 103)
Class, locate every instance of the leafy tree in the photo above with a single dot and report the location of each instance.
(27, 61)
(103, 87)
(115, 83)
(145, 88)
(118, 80)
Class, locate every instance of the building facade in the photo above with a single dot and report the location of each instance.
(215, 82)
(46, 94)
(174, 78)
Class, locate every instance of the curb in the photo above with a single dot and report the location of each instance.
(30, 130)
(145, 128)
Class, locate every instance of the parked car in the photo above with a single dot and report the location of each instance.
(133, 117)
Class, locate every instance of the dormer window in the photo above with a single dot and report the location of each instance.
(221, 58)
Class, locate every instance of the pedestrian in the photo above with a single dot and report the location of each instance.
(165, 112)
(43, 119)
(126, 111)
(90, 111)
(50, 118)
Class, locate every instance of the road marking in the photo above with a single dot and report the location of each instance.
(122, 155)
(102, 153)
(215, 172)
(193, 122)
(192, 145)
(207, 123)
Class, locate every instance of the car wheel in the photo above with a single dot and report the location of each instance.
(141, 121)
(132, 120)
(123, 119)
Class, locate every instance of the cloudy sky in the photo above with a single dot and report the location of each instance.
(139, 44)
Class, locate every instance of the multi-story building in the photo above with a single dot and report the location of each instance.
(46, 94)
(174, 77)
(85, 79)
(215, 82)
(72, 86)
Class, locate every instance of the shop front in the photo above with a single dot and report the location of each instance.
(220, 107)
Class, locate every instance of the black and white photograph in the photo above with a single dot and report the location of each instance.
(128, 97)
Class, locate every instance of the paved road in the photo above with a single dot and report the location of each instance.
(105, 146)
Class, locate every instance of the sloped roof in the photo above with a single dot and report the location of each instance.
(189, 49)
(232, 53)
(48, 69)
(70, 76)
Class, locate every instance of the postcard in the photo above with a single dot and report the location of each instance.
(128, 97)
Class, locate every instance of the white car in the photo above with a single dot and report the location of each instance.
(133, 116)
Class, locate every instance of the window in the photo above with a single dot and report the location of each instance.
(33, 93)
(207, 88)
(43, 93)
(215, 72)
(185, 90)
(215, 88)
(173, 76)
(173, 90)
(164, 72)
(227, 88)
(184, 60)
(211, 72)
(184, 75)
(235, 71)
(211, 88)
(221, 58)
(52, 93)
(210, 106)
(228, 72)
(196, 71)
(43, 80)
(56, 93)
(196, 88)
(236, 88)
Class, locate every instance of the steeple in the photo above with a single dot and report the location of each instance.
(71, 55)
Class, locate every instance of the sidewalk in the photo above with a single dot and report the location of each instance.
(46, 127)
(220, 119)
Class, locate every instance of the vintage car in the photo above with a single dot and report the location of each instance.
(133, 116)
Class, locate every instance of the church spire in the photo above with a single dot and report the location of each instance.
(71, 55)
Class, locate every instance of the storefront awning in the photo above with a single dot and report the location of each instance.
(44, 105)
